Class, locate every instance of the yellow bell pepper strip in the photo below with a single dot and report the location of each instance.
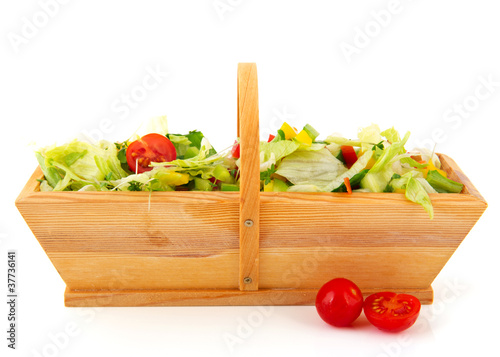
(172, 178)
(431, 167)
(304, 138)
(290, 133)
(268, 187)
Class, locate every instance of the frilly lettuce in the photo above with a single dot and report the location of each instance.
(271, 153)
(416, 192)
(389, 154)
(79, 163)
(369, 136)
(355, 169)
(318, 168)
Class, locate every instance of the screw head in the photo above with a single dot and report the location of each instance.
(247, 280)
(248, 223)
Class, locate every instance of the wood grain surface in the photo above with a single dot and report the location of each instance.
(248, 129)
(220, 297)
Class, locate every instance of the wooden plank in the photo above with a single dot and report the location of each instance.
(188, 224)
(279, 268)
(248, 124)
(368, 267)
(213, 297)
(83, 271)
(364, 220)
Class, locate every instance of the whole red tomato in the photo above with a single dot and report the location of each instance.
(339, 302)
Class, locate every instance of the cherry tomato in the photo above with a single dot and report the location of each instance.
(390, 311)
(349, 155)
(235, 151)
(339, 302)
(149, 148)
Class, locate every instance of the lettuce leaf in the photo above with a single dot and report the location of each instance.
(318, 168)
(355, 169)
(79, 162)
(391, 135)
(416, 192)
(369, 136)
(388, 154)
(271, 153)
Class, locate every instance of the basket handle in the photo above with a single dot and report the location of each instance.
(248, 132)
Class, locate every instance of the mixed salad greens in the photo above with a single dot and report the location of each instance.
(291, 160)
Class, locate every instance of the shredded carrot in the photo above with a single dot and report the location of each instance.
(348, 185)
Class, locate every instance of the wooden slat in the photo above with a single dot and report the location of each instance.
(368, 267)
(220, 297)
(248, 124)
(91, 271)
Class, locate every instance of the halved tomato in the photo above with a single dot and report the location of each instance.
(391, 312)
(149, 148)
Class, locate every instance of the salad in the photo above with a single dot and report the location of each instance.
(291, 161)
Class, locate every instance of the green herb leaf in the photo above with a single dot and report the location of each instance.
(134, 186)
(266, 175)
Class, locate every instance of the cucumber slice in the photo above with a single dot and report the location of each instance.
(202, 184)
(313, 134)
(279, 186)
(229, 187)
(222, 174)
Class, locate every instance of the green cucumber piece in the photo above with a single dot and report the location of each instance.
(221, 173)
(313, 134)
(229, 187)
(202, 184)
(191, 151)
(443, 184)
(279, 186)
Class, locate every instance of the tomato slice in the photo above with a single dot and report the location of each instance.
(339, 302)
(391, 312)
(235, 151)
(349, 155)
(149, 148)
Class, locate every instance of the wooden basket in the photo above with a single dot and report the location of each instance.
(247, 247)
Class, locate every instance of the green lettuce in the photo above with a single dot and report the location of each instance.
(271, 153)
(79, 163)
(318, 168)
(369, 136)
(416, 192)
(355, 169)
(388, 154)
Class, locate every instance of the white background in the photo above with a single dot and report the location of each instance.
(65, 73)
